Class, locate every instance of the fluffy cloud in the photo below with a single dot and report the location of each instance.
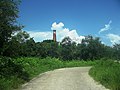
(39, 36)
(65, 32)
(107, 27)
(114, 38)
(56, 26)
(60, 31)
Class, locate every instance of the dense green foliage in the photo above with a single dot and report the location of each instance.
(14, 72)
(107, 72)
(11, 73)
(8, 24)
(91, 48)
(16, 43)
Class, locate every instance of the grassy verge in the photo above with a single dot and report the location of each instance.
(77, 63)
(107, 72)
(15, 72)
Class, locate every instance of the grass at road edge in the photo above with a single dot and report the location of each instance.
(107, 72)
(21, 70)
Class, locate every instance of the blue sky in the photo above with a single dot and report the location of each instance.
(73, 18)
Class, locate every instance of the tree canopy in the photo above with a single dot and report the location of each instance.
(16, 43)
(8, 24)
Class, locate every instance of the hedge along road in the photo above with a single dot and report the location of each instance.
(64, 79)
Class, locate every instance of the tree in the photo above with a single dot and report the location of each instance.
(8, 24)
(30, 47)
(90, 48)
(47, 48)
(16, 46)
(12, 49)
(68, 49)
(116, 49)
(21, 36)
(109, 52)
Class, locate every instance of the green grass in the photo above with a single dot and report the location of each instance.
(20, 70)
(107, 72)
(35, 66)
(77, 63)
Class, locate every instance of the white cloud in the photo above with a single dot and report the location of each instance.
(107, 27)
(56, 26)
(60, 31)
(39, 36)
(65, 32)
(114, 38)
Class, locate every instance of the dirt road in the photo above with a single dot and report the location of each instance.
(64, 79)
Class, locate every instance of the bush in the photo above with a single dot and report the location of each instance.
(11, 74)
(14, 72)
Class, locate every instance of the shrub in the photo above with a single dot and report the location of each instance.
(14, 72)
(11, 74)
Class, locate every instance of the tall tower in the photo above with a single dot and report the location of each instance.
(54, 35)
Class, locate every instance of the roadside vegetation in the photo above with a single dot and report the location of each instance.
(107, 72)
(21, 58)
(14, 72)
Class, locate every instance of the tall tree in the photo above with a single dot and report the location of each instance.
(47, 48)
(90, 48)
(68, 49)
(17, 45)
(116, 53)
(8, 24)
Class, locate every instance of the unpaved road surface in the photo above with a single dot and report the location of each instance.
(64, 79)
